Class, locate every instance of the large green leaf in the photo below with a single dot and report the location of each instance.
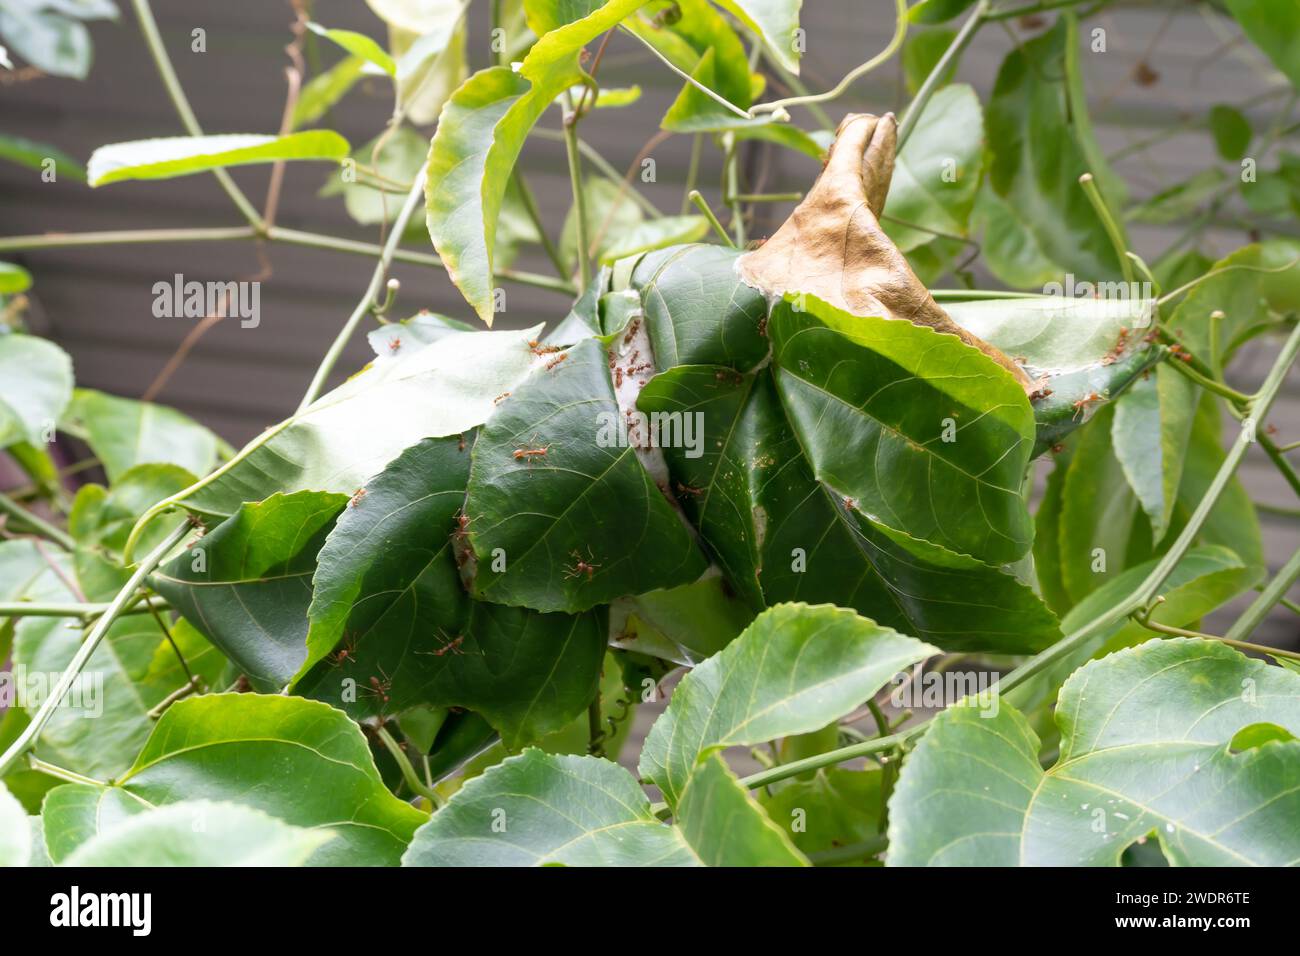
(247, 584)
(388, 589)
(479, 137)
(937, 172)
(1146, 746)
(539, 809)
(794, 670)
(347, 435)
(780, 535)
(201, 833)
(298, 760)
(685, 32)
(724, 825)
(582, 522)
(358, 44)
(1274, 26)
(950, 428)
(35, 388)
(185, 155)
(697, 309)
(124, 433)
(835, 808)
(1038, 155)
(102, 517)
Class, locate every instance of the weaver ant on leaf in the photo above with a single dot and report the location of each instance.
(347, 651)
(582, 567)
(1082, 404)
(530, 454)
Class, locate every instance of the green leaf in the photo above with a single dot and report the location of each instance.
(937, 172)
(76, 812)
(683, 625)
(921, 54)
(1039, 154)
(124, 433)
(26, 152)
(780, 535)
(698, 311)
(655, 234)
(298, 760)
(358, 44)
(184, 155)
(15, 832)
(1153, 422)
(836, 808)
(14, 279)
(1181, 200)
(431, 62)
(1098, 535)
(794, 670)
(861, 388)
(481, 133)
(725, 826)
(388, 588)
(1231, 132)
(686, 32)
(201, 833)
(937, 11)
(1273, 26)
(347, 435)
(582, 523)
(104, 516)
(35, 388)
(538, 809)
(1007, 245)
(1145, 745)
(247, 584)
(775, 21)
(325, 89)
(52, 43)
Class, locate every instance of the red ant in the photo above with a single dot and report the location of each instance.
(345, 652)
(689, 490)
(582, 567)
(556, 361)
(380, 689)
(356, 497)
(500, 398)
(462, 527)
(1082, 404)
(538, 349)
(461, 444)
(395, 344)
(531, 454)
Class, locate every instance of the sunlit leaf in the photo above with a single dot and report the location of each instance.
(185, 155)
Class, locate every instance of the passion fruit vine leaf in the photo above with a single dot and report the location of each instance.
(1147, 745)
(725, 826)
(388, 595)
(794, 670)
(298, 760)
(479, 137)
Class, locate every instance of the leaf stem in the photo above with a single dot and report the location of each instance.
(404, 765)
(1218, 388)
(896, 41)
(716, 97)
(1273, 592)
(61, 773)
(530, 206)
(703, 206)
(1230, 641)
(964, 35)
(1110, 224)
(37, 523)
(370, 296)
(27, 738)
(83, 610)
(570, 126)
(158, 50)
(1043, 6)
